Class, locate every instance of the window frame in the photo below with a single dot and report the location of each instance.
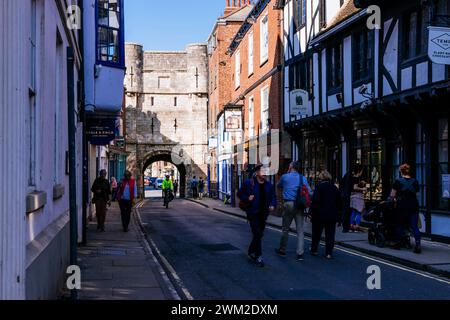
(360, 54)
(251, 53)
(419, 34)
(121, 36)
(332, 73)
(300, 14)
(251, 117)
(237, 69)
(265, 98)
(264, 33)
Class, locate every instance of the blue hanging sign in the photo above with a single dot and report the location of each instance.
(100, 132)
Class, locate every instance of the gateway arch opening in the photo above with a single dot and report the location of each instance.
(156, 168)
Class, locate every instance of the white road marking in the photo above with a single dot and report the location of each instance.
(339, 248)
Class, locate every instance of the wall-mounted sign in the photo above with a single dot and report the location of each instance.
(100, 132)
(233, 120)
(446, 186)
(213, 143)
(299, 103)
(439, 45)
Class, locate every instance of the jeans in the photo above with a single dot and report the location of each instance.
(125, 212)
(412, 224)
(257, 225)
(355, 220)
(289, 214)
(330, 233)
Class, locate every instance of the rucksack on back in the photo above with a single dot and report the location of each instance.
(303, 199)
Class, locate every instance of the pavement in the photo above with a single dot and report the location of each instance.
(120, 266)
(434, 259)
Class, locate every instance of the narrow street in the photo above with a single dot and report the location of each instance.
(207, 250)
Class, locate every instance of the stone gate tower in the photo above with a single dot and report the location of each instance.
(166, 110)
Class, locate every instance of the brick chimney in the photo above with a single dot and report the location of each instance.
(234, 5)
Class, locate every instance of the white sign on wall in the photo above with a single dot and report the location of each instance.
(439, 45)
(299, 103)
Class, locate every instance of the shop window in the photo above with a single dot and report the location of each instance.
(421, 163)
(110, 36)
(313, 158)
(369, 148)
(443, 158)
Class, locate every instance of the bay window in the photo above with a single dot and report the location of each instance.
(110, 36)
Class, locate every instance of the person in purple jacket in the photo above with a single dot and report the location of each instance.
(260, 195)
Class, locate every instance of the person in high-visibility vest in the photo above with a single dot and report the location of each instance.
(167, 187)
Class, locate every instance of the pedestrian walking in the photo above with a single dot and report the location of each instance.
(325, 206)
(357, 205)
(257, 196)
(201, 188)
(194, 187)
(404, 192)
(126, 195)
(346, 188)
(290, 183)
(175, 188)
(102, 191)
(114, 186)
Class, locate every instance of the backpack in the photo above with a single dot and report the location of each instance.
(303, 199)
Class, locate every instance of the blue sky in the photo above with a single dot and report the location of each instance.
(170, 24)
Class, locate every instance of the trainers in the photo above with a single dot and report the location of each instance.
(315, 254)
(280, 253)
(329, 257)
(300, 257)
(260, 262)
(417, 250)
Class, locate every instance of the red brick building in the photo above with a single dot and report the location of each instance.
(220, 91)
(257, 82)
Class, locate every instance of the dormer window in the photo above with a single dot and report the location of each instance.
(110, 37)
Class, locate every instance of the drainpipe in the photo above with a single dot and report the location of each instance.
(72, 164)
(85, 145)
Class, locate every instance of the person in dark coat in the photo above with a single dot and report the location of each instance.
(346, 188)
(404, 192)
(260, 196)
(102, 192)
(325, 206)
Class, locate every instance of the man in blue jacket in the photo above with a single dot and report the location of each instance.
(260, 196)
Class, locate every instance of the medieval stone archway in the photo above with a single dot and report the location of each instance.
(167, 156)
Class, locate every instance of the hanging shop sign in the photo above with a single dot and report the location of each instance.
(299, 103)
(100, 132)
(439, 45)
(233, 120)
